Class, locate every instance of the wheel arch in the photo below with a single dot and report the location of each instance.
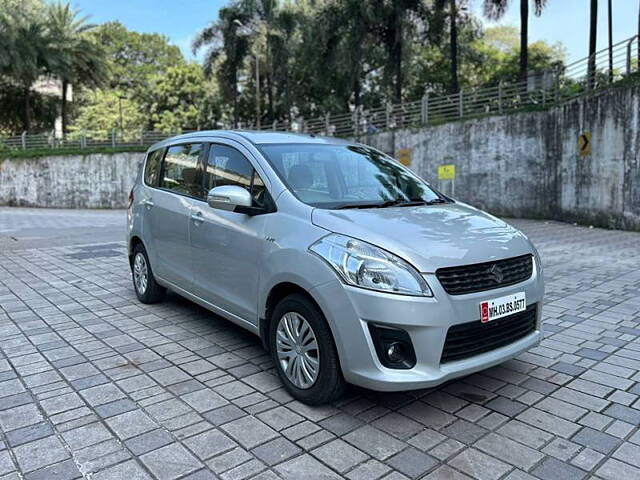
(276, 294)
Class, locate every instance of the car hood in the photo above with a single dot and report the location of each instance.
(430, 236)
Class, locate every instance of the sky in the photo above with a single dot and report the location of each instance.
(565, 21)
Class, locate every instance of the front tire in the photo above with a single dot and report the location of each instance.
(304, 352)
(144, 283)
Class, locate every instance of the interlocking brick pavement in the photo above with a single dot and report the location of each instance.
(94, 384)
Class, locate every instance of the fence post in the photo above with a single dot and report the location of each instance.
(113, 138)
(23, 137)
(355, 122)
(460, 104)
(388, 115)
(425, 109)
(142, 136)
(500, 97)
(275, 125)
(327, 123)
(629, 45)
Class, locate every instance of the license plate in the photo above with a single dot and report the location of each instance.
(503, 306)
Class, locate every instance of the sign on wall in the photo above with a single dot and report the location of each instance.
(404, 156)
(584, 144)
(446, 172)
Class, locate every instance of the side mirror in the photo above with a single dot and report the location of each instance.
(231, 198)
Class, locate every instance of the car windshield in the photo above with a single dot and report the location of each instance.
(347, 176)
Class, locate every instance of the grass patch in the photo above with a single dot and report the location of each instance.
(65, 152)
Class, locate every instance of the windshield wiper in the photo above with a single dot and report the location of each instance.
(393, 203)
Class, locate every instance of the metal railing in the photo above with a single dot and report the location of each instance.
(540, 91)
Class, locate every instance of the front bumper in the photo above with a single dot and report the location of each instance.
(426, 320)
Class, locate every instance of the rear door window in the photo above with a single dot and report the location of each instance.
(180, 172)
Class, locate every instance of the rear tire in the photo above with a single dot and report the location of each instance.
(299, 329)
(144, 283)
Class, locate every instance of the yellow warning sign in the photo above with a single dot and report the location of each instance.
(584, 144)
(404, 155)
(446, 172)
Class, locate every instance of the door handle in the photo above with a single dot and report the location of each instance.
(197, 217)
(147, 202)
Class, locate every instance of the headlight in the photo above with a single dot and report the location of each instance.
(364, 265)
(536, 256)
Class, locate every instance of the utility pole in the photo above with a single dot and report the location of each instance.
(610, 41)
(120, 97)
(257, 92)
(593, 32)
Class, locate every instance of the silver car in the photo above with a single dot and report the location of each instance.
(349, 267)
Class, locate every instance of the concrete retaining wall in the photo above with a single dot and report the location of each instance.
(82, 181)
(527, 164)
(524, 165)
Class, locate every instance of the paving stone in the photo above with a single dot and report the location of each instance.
(374, 442)
(128, 470)
(28, 434)
(171, 461)
(119, 381)
(587, 459)
(19, 417)
(412, 463)
(628, 453)
(204, 400)
(149, 441)
(305, 466)
(552, 469)
(615, 470)
(249, 432)
(209, 444)
(339, 455)
(86, 435)
(371, 469)
(561, 449)
(131, 424)
(222, 415)
(596, 440)
(66, 470)
(280, 418)
(465, 432)
(548, 422)
(479, 465)
(40, 453)
(510, 451)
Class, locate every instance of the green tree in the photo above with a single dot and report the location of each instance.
(81, 61)
(226, 50)
(135, 57)
(177, 98)
(104, 111)
(28, 54)
(495, 9)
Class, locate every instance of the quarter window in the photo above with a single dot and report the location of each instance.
(152, 167)
(180, 169)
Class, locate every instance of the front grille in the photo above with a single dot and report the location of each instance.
(485, 276)
(473, 338)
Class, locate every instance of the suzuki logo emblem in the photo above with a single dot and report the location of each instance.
(496, 273)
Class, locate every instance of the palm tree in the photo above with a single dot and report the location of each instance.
(26, 54)
(495, 9)
(80, 60)
(227, 49)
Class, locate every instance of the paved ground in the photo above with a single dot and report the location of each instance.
(94, 384)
